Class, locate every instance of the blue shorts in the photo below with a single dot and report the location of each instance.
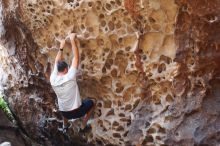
(86, 106)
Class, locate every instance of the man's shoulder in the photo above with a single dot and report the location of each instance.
(71, 73)
(53, 78)
(57, 80)
(69, 81)
(72, 69)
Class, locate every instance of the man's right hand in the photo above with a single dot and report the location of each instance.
(72, 36)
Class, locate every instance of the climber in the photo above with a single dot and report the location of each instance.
(63, 81)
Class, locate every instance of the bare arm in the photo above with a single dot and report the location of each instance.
(75, 61)
(60, 52)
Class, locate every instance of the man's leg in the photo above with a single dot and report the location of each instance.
(89, 113)
(65, 122)
(85, 111)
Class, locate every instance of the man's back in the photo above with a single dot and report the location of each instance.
(66, 89)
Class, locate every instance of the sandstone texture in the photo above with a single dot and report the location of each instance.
(152, 66)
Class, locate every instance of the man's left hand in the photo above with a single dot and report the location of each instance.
(62, 43)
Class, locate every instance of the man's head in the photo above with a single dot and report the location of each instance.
(62, 67)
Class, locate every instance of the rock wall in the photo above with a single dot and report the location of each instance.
(9, 132)
(152, 65)
(196, 87)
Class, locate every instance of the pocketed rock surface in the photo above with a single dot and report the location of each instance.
(151, 65)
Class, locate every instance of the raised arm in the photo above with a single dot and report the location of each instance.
(75, 61)
(60, 52)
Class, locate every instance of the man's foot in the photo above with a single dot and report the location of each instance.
(85, 129)
(66, 127)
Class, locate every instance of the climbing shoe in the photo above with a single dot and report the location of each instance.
(85, 129)
(66, 127)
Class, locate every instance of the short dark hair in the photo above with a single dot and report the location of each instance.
(61, 66)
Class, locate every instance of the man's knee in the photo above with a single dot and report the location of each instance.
(93, 100)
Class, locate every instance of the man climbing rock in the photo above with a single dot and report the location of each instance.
(63, 81)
